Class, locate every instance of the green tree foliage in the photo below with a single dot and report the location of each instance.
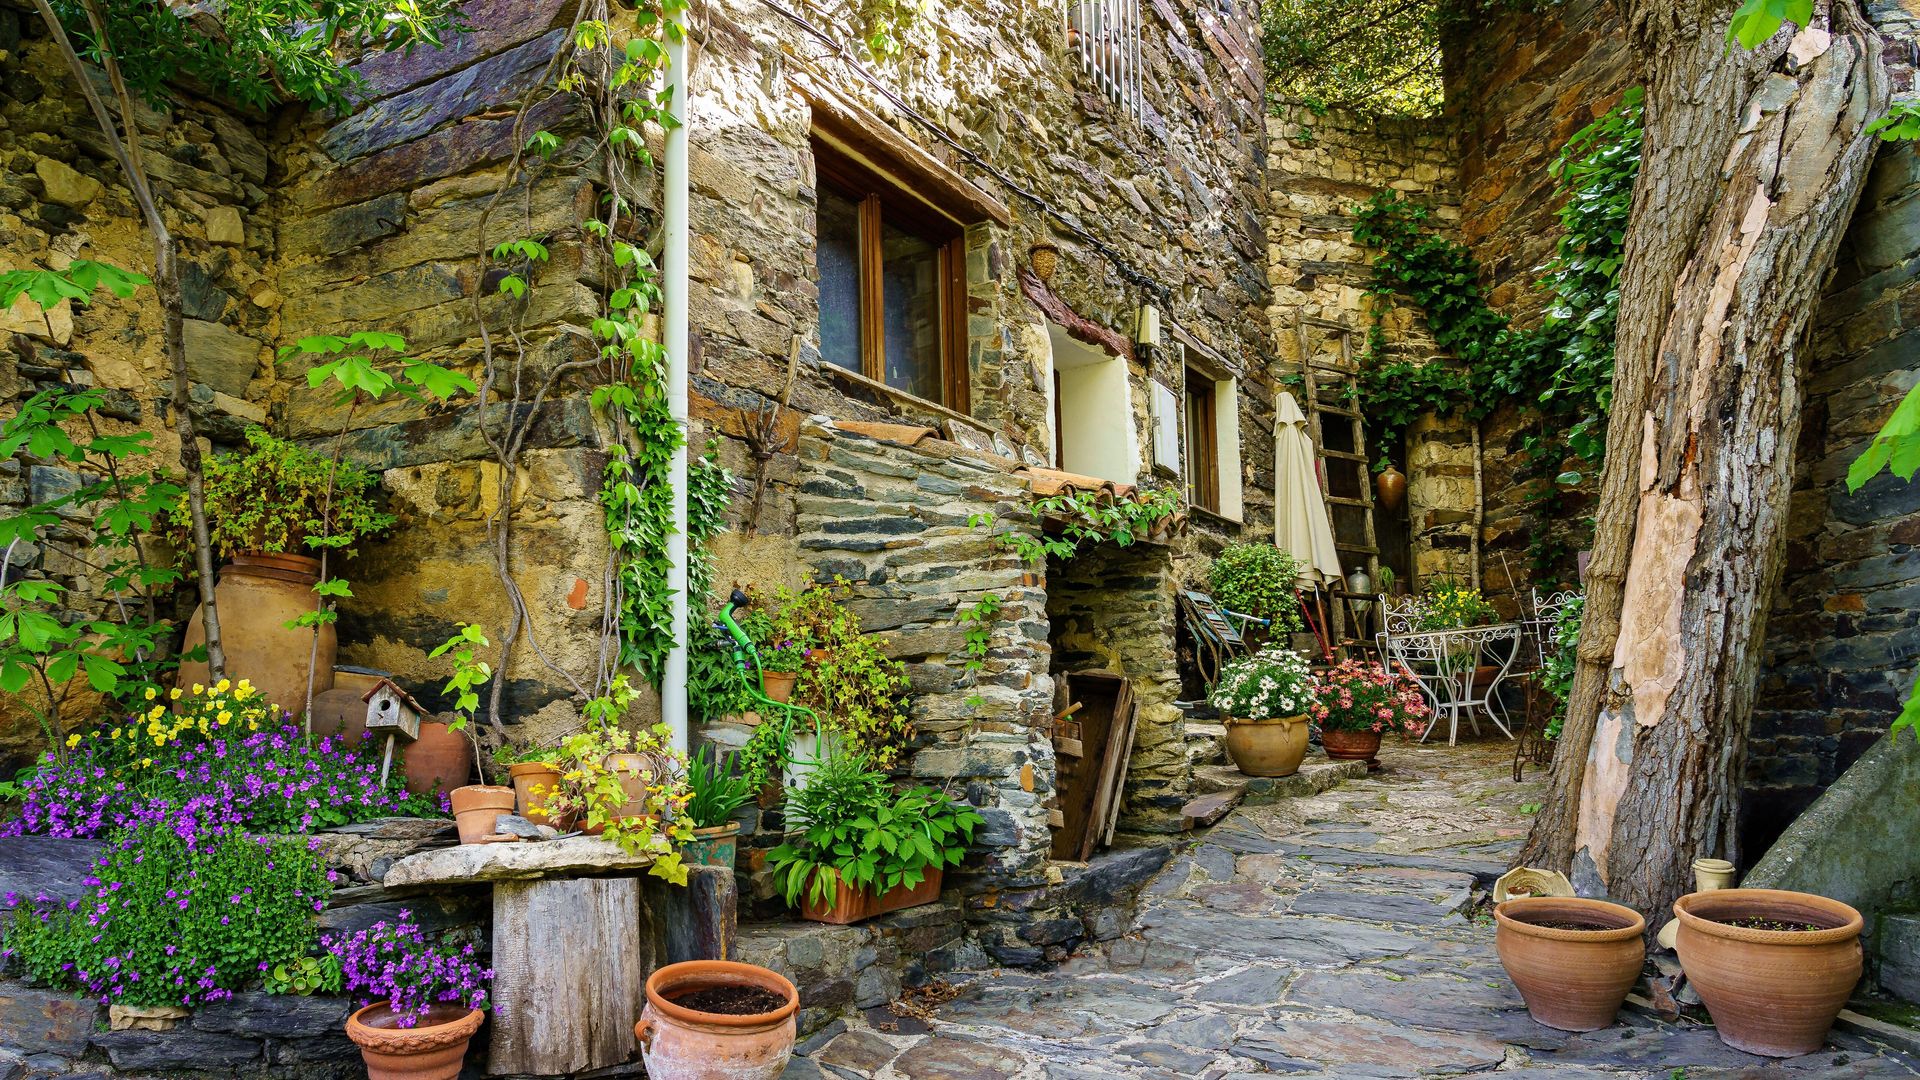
(259, 53)
(1367, 54)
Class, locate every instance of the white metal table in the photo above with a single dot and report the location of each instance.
(1446, 662)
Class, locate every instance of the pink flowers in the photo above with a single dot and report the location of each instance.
(1362, 696)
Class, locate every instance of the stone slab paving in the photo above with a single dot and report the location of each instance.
(1330, 936)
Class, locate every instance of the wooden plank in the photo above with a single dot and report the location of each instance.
(1081, 779)
(1124, 717)
(695, 921)
(569, 975)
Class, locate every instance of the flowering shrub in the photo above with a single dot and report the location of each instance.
(1260, 580)
(224, 759)
(395, 963)
(178, 916)
(1449, 606)
(1362, 696)
(1274, 682)
(638, 801)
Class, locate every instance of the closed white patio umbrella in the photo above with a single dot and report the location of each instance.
(1301, 526)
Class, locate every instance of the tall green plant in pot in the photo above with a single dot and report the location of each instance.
(719, 787)
(1260, 580)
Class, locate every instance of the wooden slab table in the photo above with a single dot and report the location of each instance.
(577, 928)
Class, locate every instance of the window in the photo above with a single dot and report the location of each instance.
(1213, 444)
(892, 284)
(1093, 427)
(1106, 35)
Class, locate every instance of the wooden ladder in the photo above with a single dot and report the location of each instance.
(1332, 404)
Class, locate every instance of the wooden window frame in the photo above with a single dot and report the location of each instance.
(881, 201)
(1203, 440)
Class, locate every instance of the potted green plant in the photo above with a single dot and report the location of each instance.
(1263, 701)
(421, 1000)
(263, 507)
(1357, 702)
(865, 848)
(625, 786)
(1774, 967)
(476, 807)
(716, 790)
(534, 772)
(1260, 580)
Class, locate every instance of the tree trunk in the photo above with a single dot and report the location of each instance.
(1753, 164)
(166, 285)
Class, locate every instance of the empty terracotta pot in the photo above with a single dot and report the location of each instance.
(1572, 959)
(477, 807)
(342, 711)
(1351, 745)
(257, 596)
(1272, 746)
(681, 1043)
(528, 776)
(440, 759)
(433, 1049)
(1771, 992)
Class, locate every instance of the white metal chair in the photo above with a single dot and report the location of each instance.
(1444, 663)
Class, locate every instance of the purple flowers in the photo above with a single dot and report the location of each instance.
(267, 781)
(395, 963)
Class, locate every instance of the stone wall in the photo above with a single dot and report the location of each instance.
(62, 197)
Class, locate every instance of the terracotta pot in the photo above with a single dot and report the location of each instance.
(849, 906)
(1350, 745)
(341, 711)
(778, 685)
(477, 807)
(526, 776)
(433, 1049)
(1574, 980)
(1272, 746)
(678, 1043)
(1390, 487)
(258, 595)
(441, 758)
(716, 846)
(1771, 992)
(636, 772)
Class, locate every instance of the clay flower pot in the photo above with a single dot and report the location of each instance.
(1771, 992)
(430, 1050)
(1351, 745)
(678, 1042)
(528, 775)
(258, 596)
(477, 807)
(1390, 486)
(1270, 746)
(1572, 979)
(778, 685)
(439, 760)
(636, 772)
(715, 846)
(849, 906)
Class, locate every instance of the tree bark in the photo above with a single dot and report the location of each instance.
(166, 284)
(1754, 162)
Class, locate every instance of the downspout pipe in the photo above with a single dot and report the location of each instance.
(674, 283)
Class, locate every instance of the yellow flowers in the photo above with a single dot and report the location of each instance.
(224, 718)
(73, 741)
(174, 694)
(221, 687)
(152, 693)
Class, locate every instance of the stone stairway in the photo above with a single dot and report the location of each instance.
(1219, 787)
(1898, 944)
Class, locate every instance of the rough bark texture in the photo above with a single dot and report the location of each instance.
(1753, 164)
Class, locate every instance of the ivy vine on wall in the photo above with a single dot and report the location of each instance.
(1563, 371)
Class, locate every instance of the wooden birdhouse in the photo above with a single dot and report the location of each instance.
(391, 712)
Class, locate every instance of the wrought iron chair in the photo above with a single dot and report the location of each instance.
(1542, 641)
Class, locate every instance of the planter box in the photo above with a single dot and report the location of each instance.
(851, 907)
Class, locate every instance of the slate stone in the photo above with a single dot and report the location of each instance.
(409, 115)
(1378, 907)
(1443, 1002)
(1303, 940)
(1655, 1046)
(41, 1021)
(1217, 861)
(347, 227)
(950, 1059)
(1387, 1050)
(1259, 986)
(181, 1048)
(32, 866)
(219, 357)
(862, 1051)
(12, 1066)
(1182, 1060)
(284, 1016)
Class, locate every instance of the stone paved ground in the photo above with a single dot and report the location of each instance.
(1331, 936)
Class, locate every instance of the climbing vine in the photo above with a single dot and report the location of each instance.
(1562, 371)
(1084, 517)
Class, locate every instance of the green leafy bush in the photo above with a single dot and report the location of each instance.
(847, 680)
(1258, 579)
(718, 789)
(856, 828)
(274, 498)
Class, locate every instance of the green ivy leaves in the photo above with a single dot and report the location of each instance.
(77, 282)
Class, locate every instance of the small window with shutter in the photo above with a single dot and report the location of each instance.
(1105, 35)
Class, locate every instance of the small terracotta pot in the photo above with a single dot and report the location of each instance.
(849, 907)
(1711, 874)
(439, 759)
(716, 846)
(430, 1050)
(778, 685)
(1771, 992)
(477, 807)
(678, 1043)
(636, 772)
(528, 775)
(1390, 486)
(1573, 980)
(1350, 745)
(1270, 746)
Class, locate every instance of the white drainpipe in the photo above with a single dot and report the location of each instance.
(673, 682)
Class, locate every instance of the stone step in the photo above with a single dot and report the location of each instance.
(841, 969)
(1898, 940)
(1208, 809)
(1316, 775)
(1206, 744)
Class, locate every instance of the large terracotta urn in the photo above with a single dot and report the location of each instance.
(1774, 967)
(258, 595)
(681, 1039)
